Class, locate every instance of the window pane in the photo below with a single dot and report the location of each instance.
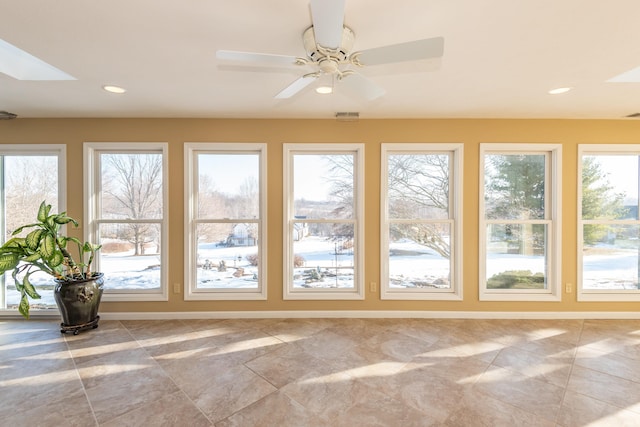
(131, 186)
(610, 186)
(419, 256)
(323, 255)
(514, 186)
(227, 255)
(611, 257)
(29, 180)
(130, 255)
(323, 186)
(228, 186)
(516, 256)
(418, 186)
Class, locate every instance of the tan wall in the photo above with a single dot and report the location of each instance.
(569, 133)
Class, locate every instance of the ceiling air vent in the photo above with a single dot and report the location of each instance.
(634, 115)
(5, 115)
(347, 117)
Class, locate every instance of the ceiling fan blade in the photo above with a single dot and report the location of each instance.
(296, 86)
(264, 58)
(409, 51)
(328, 20)
(362, 86)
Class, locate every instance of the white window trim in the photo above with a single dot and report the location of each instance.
(289, 292)
(191, 293)
(59, 150)
(602, 295)
(454, 293)
(553, 218)
(91, 179)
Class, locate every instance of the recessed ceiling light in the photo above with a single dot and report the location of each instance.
(114, 89)
(559, 90)
(324, 89)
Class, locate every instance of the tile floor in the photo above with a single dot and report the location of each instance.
(322, 372)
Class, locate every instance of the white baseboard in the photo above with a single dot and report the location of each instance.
(290, 314)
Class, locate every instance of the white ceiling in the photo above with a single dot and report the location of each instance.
(500, 58)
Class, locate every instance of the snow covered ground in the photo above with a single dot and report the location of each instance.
(410, 265)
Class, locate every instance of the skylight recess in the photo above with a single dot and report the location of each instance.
(21, 65)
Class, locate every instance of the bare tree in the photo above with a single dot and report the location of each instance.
(133, 189)
(418, 187)
(28, 181)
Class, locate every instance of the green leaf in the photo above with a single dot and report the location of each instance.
(35, 256)
(29, 289)
(19, 229)
(43, 211)
(23, 308)
(33, 239)
(64, 219)
(8, 261)
(48, 246)
(56, 259)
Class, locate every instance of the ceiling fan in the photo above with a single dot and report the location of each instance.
(328, 43)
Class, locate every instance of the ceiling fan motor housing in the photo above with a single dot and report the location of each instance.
(317, 53)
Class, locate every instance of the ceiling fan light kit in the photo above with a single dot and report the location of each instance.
(328, 44)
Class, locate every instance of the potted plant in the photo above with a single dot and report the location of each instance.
(78, 290)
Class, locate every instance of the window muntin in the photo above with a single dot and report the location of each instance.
(29, 174)
(520, 216)
(226, 227)
(421, 221)
(126, 211)
(609, 223)
(323, 206)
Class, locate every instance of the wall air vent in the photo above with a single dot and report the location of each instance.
(634, 115)
(347, 117)
(5, 115)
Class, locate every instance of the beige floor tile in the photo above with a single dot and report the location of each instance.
(580, 410)
(609, 363)
(476, 409)
(284, 365)
(530, 394)
(169, 411)
(554, 370)
(274, 410)
(604, 387)
(231, 391)
(322, 372)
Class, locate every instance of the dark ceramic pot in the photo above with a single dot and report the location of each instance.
(79, 300)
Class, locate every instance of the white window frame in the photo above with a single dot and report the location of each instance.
(92, 181)
(553, 220)
(191, 150)
(454, 292)
(603, 295)
(58, 150)
(289, 292)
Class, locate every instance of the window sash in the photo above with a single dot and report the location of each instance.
(453, 221)
(30, 150)
(355, 219)
(93, 154)
(551, 220)
(194, 219)
(602, 294)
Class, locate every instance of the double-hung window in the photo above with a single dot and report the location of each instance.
(323, 221)
(225, 229)
(421, 238)
(29, 175)
(520, 222)
(126, 212)
(609, 223)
